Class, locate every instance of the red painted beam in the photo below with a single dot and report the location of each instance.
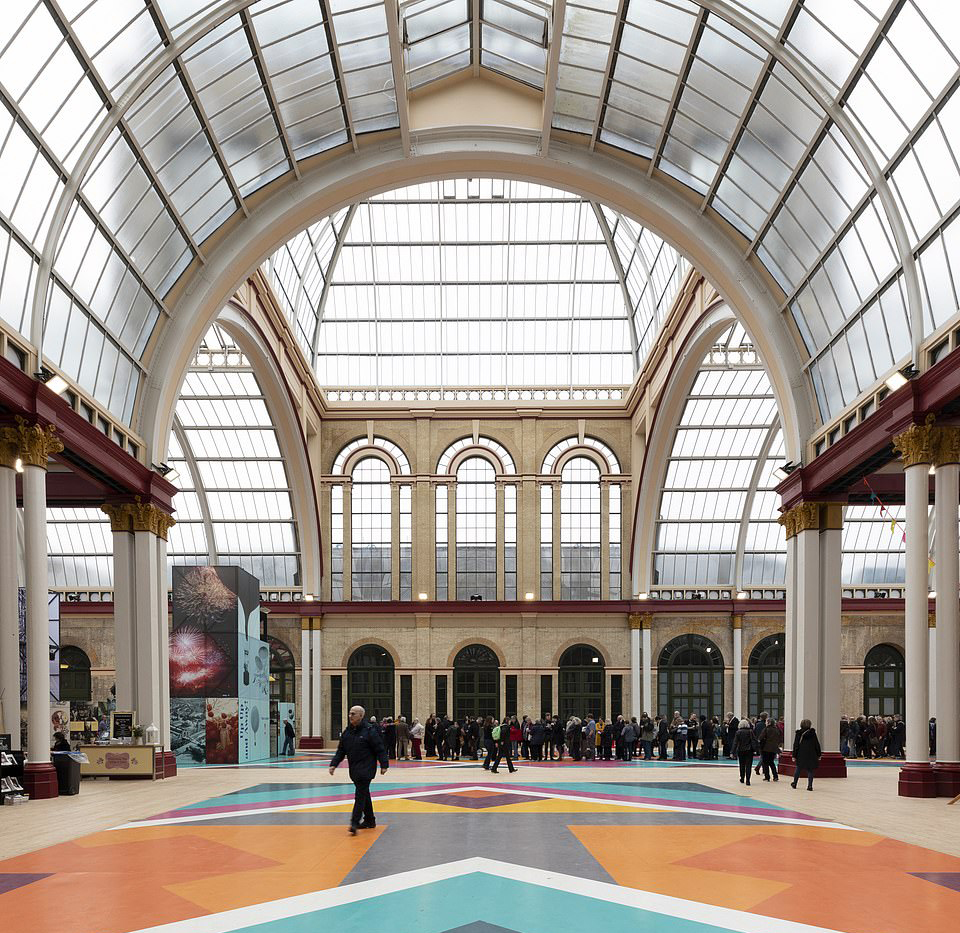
(869, 445)
(87, 450)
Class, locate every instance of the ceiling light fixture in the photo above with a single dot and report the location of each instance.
(782, 472)
(167, 472)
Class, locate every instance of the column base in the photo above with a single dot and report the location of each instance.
(917, 780)
(40, 780)
(169, 766)
(832, 765)
(947, 776)
(311, 743)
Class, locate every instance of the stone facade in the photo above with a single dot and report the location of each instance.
(527, 644)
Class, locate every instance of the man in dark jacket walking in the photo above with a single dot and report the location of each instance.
(288, 736)
(769, 746)
(362, 745)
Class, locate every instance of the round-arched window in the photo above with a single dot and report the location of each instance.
(74, 675)
(476, 682)
(282, 672)
(690, 677)
(581, 682)
(883, 681)
(765, 677)
(370, 681)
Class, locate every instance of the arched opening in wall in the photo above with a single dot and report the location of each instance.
(370, 681)
(580, 530)
(476, 682)
(371, 516)
(883, 690)
(476, 499)
(765, 677)
(74, 675)
(581, 682)
(690, 677)
(282, 672)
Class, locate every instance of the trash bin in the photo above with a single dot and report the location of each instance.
(68, 773)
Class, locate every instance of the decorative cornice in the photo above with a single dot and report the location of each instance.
(640, 620)
(788, 521)
(919, 443)
(812, 516)
(312, 623)
(139, 516)
(32, 444)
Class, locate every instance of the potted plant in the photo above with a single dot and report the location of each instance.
(138, 735)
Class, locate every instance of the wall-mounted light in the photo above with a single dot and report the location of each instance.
(932, 594)
(308, 597)
(900, 378)
(56, 384)
(595, 660)
(167, 472)
(422, 595)
(528, 595)
(18, 466)
(643, 595)
(782, 472)
(741, 594)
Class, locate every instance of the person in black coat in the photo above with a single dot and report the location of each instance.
(744, 745)
(556, 728)
(663, 736)
(806, 752)
(288, 736)
(488, 742)
(708, 735)
(538, 735)
(503, 748)
(362, 745)
(732, 727)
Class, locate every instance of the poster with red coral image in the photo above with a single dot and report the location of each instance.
(203, 643)
(223, 731)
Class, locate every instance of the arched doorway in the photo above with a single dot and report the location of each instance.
(370, 681)
(581, 682)
(74, 675)
(690, 677)
(883, 681)
(476, 682)
(765, 677)
(282, 672)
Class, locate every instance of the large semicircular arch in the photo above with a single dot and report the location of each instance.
(593, 175)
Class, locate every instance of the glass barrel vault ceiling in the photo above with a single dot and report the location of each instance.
(825, 132)
(476, 282)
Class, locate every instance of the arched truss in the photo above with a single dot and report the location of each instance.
(841, 120)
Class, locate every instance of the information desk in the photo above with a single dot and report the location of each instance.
(122, 761)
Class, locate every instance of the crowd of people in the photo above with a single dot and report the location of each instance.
(873, 736)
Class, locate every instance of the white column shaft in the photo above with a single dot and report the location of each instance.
(648, 703)
(932, 664)
(150, 630)
(316, 678)
(947, 632)
(124, 618)
(162, 600)
(790, 719)
(738, 708)
(828, 725)
(9, 609)
(306, 720)
(636, 699)
(38, 622)
(809, 651)
(915, 622)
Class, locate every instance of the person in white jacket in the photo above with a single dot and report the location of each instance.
(416, 737)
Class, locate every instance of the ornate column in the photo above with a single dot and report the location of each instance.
(917, 447)
(945, 637)
(738, 708)
(9, 608)
(813, 628)
(34, 444)
(141, 618)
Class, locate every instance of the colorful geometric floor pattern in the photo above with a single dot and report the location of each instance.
(484, 857)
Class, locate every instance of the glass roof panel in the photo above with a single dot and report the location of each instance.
(476, 282)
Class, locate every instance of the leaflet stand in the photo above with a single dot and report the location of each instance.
(11, 778)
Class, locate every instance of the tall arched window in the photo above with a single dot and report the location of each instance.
(581, 682)
(765, 677)
(581, 483)
(370, 681)
(883, 684)
(282, 671)
(690, 677)
(74, 674)
(474, 556)
(375, 485)
(476, 682)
